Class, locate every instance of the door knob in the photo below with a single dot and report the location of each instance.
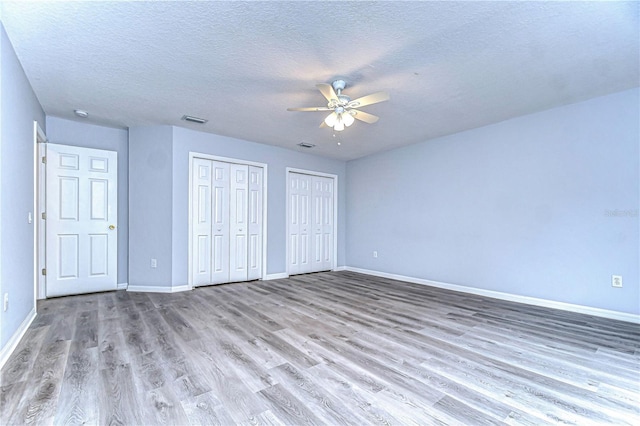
(112, 227)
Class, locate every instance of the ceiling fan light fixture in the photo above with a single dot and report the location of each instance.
(347, 119)
(341, 105)
(331, 119)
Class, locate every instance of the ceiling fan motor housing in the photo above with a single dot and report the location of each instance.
(338, 85)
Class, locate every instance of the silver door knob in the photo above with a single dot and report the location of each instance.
(112, 227)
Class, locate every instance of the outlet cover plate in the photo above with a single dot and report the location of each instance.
(616, 281)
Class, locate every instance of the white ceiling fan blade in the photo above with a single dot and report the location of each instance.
(374, 98)
(310, 109)
(327, 91)
(364, 116)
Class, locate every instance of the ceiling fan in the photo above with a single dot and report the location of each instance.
(344, 111)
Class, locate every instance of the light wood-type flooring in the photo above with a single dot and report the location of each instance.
(329, 348)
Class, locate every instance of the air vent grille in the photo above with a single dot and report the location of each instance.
(194, 119)
(306, 145)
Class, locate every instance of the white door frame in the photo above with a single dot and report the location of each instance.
(334, 260)
(39, 198)
(193, 155)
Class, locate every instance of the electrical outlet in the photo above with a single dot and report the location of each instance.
(6, 302)
(154, 263)
(375, 254)
(616, 280)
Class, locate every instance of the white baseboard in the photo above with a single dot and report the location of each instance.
(605, 313)
(340, 268)
(158, 289)
(280, 276)
(122, 286)
(11, 345)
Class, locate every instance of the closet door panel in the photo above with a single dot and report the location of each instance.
(201, 208)
(239, 226)
(327, 223)
(299, 223)
(220, 222)
(254, 220)
(317, 220)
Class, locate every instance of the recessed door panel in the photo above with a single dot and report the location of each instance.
(69, 256)
(99, 164)
(99, 199)
(98, 254)
(204, 203)
(69, 198)
(204, 254)
(219, 255)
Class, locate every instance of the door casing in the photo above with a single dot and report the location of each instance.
(39, 198)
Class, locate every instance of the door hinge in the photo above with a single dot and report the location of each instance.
(44, 160)
(44, 216)
(44, 271)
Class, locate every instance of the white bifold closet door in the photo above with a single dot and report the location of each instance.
(226, 222)
(311, 236)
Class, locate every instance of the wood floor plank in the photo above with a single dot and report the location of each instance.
(326, 348)
(120, 401)
(322, 403)
(164, 408)
(79, 394)
(289, 409)
(18, 367)
(206, 409)
(39, 402)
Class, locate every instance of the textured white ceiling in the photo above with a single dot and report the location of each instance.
(449, 66)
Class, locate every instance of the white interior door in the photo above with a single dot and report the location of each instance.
(311, 223)
(227, 212)
(210, 207)
(81, 215)
(299, 223)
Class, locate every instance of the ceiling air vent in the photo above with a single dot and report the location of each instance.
(194, 119)
(306, 145)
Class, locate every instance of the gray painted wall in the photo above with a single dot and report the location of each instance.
(159, 194)
(544, 205)
(67, 132)
(150, 205)
(18, 110)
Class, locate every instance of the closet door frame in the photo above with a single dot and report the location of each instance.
(192, 156)
(289, 170)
